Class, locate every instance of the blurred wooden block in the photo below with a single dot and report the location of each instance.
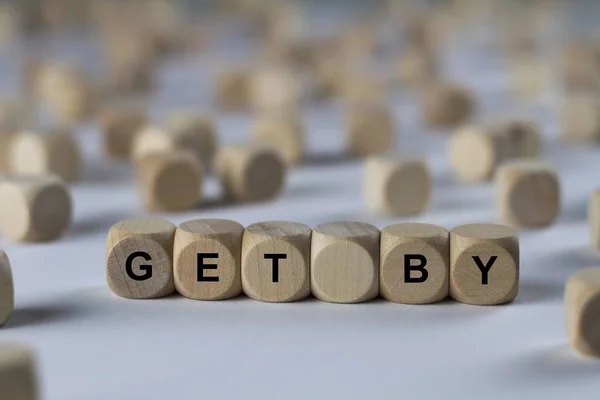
(447, 105)
(345, 262)
(53, 151)
(579, 68)
(139, 258)
(358, 89)
(484, 264)
(18, 372)
(7, 289)
(170, 181)
(580, 118)
(417, 68)
(207, 259)
(371, 129)
(36, 208)
(528, 193)
(120, 124)
(232, 92)
(252, 172)
(582, 306)
(523, 137)
(276, 261)
(415, 264)
(594, 218)
(13, 115)
(529, 76)
(396, 185)
(285, 133)
(193, 131)
(275, 89)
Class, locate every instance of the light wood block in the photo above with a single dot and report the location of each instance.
(275, 89)
(580, 118)
(371, 129)
(232, 91)
(36, 208)
(345, 262)
(529, 76)
(579, 68)
(582, 307)
(170, 181)
(251, 172)
(54, 152)
(285, 133)
(523, 138)
(415, 265)
(120, 124)
(139, 258)
(594, 218)
(207, 259)
(7, 289)
(396, 185)
(447, 105)
(484, 264)
(528, 193)
(193, 131)
(417, 68)
(18, 372)
(276, 261)
(13, 115)
(360, 88)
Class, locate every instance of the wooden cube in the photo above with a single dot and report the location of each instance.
(7, 289)
(528, 193)
(37, 208)
(253, 172)
(170, 181)
(207, 259)
(18, 372)
(276, 261)
(580, 118)
(447, 105)
(275, 89)
(594, 218)
(194, 131)
(522, 137)
(484, 264)
(54, 152)
(529, 76)
(359, 88)
(371, 129)
(415, 266)
(285, 133)
(232, 92)
(417, 68)
(139, 258)
(582, 306)
(345, 262)
(120, 124)
(396, 185)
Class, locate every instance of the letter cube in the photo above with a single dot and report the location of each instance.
(484, 264)
(414, 267)
(371, 130)
(447, 105)
(120, 124)
(7, 290)
(276, 261)
(345, 262)
(37, 208)
(139, 258)
(18, 372)
(528, 193)
(582, 306)
(285, 133)
(207, 259)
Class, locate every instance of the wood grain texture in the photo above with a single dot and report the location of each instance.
(496, 249)
(7, 289)
(18, 372)
(120, 124)
(429, 241)
(37, 208)
(285, 133)
(528, 193)
(152, 236)
(194, 131)
(594, 218)
(54, 151)
(582, 306)
(219, 237)
(396, 185)
(290, 281)
(447, 105)
(345, 262)
(371, 129)
(170, 181)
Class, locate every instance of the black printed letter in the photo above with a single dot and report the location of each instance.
(275, 258)
(202, 267)
(147, 269)
(484, 268)
(421, 268)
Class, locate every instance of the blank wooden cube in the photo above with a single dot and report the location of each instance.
(371, 130)
(18, 372)
(120, 124)
(396, 185)
(345, 262)
(447, 105)
(276, 261)
(484, 264)
(232, 92)
(285, 133)
(207, 259)
(193, 131)
(594, 218)
(528, 193)
(251, 172)
(582, 306)
(415, 265)
(139, 258)
(170, 181)
(36, 208)
(7, 289)
(580, 118)
(54, 151)
(275, 89)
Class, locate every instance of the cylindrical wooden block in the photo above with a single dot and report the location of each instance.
(276, 261)
(415, 264)
(447, 105)
(212, 247)
(285, 133)
(18, 372)
(582, 306)
(7, 289)
(345, 262)
(250, 172)
(371, 130)
(139, 258)
(194, 132)
(484, 264)
(119, 127)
